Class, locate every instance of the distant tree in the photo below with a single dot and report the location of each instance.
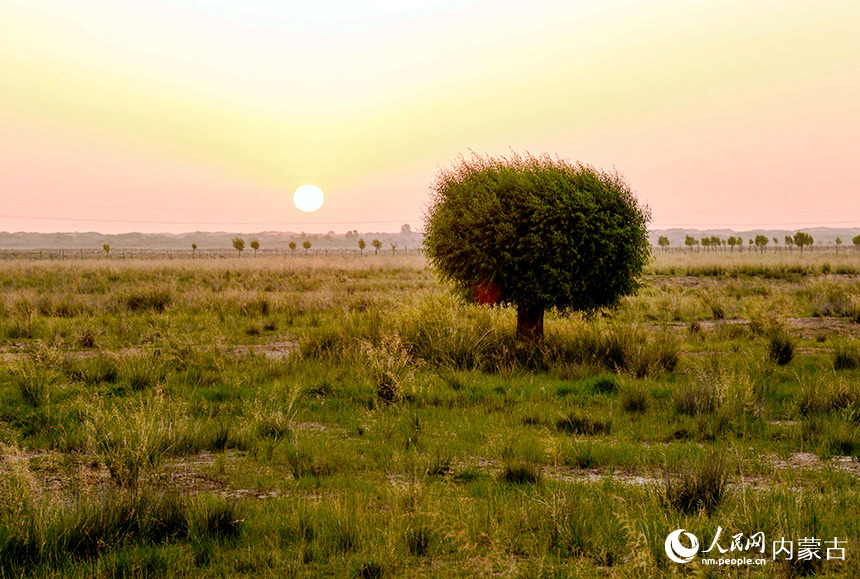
(716, 241)
(377, 245)
(239, 245)
(106, 248)
(775, 241)
(838, 243)
(732, 242)
(740, 242)
(802, 238)
(292, 246)
(361, 246)
(255, 245)
(706, 243)
(193, 249)
(405, 229)
(789, 242)
(307, 245)
(856, 241)
(760, 242)
(663, 242)
(393, 247)
(690, 241)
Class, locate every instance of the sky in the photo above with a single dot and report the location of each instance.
(187, 115)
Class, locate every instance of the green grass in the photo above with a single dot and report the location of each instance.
(349, 418)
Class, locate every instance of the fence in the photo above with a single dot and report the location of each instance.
(143, 254)
(779, 249)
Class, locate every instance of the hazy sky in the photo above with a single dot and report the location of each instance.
(182, 115)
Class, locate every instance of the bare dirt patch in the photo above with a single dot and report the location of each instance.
(807, 328)
(813, 328)
(808, 460)
(276, 350)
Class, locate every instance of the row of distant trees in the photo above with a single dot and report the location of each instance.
(760, 242)
(800, 239)
(239, 245)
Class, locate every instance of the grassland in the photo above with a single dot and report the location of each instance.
(347, 417)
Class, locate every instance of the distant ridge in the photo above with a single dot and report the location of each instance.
(213, 240)
(205, 240)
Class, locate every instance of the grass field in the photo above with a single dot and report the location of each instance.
(347, 417)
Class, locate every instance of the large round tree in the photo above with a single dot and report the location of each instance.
(536, 233)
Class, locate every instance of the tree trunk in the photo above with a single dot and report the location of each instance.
(529, 324)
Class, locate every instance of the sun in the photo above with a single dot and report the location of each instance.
(308, 198)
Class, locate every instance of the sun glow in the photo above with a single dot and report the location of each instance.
(308, 198)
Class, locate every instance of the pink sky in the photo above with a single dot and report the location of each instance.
(186, 116)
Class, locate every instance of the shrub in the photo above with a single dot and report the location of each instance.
(257, 307)
(130, 441)
(142, 372)
(521, 473)
(635, 398)
(274, 424)
(577, 424)
(62, 306)
(216, 519)
(604, 384)
(846, 356)
(699, 488)
(442, 332)
(826, 395)
(33, 382)
(304, 464)
(390, 367)
(95, 370)
(716, 304)
(781, 347)
(843, 439)
(219, 436)
(52, 533)
(833, 300)
(714, 388)
(419, 537)
(372, 569)
(696, 397)
(156, 300)
(587, 456)
(439, 466)
(86, 338)
(616, 348)
(323, 342)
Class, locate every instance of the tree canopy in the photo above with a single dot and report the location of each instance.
(802, 238)
(536, 233)
(238, 244)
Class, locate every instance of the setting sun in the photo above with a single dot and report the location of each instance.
(308, 198)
